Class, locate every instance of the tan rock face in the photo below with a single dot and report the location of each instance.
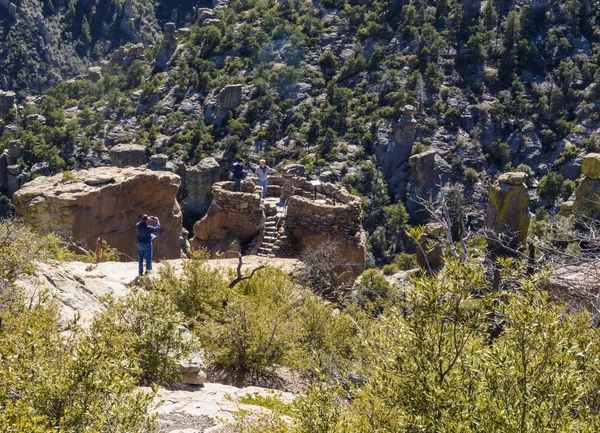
(105, 202)
(430, 252)
(313, 224)
(233, 215)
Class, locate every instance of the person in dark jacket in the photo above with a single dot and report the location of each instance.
(238, 175)
(145, 230)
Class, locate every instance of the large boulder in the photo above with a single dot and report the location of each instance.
(128, 155)
(507, 217)
(587, 194)
(199, 180)
(104, 202)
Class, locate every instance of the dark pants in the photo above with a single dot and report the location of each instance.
(144, 250)
(237, 186)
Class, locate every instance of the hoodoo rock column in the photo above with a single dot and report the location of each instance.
(507, 217)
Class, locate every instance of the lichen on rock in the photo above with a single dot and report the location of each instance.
(507, 217)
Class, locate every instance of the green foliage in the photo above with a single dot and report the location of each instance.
(254, 331)
(551, 186)
(199, 291)
(499, 152)
(406, 261)
(149, 325)
(64, 378)
(374, 293)
(438, 369)
(471, 175)
(390, 269)
(452, 117)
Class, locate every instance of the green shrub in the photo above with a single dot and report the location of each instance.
(452, 117)
(64, 378)
(374, 293)
(253, 332)
(150, 324)
(499, 152)
(406, 261)
(551, 186)
(199, 292)
(471, 175)
(390, 269)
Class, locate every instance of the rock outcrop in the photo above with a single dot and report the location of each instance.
(199, 180)
(7, 102)
(128, 155)
(587, 194)
(313, 223)
(233, 220)
(507, 217)
(167, 47)
(104, 202)
(217, 108)
(429, 171)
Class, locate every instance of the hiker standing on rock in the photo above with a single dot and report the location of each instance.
(238, 174)
(262, 172)
(145, 230)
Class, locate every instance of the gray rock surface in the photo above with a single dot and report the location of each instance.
(128, 155)
(199, 180)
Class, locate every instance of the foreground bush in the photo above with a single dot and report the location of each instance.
(148, 327)
(66, 379)
(436, 368)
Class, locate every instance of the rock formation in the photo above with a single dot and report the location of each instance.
(587, 195)
(128, 155)
(7, 103)
(199, 180)
(507, 217)
(428, 172)
(216, 108)
(233, 220)
(104, 202)
(167, 46)
(394, 155)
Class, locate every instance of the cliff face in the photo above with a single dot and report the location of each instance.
(104, 202)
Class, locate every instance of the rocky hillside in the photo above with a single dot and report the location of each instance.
(44, 42)
(391, 98)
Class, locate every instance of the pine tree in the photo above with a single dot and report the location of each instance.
(70, 14)
(86, 35)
